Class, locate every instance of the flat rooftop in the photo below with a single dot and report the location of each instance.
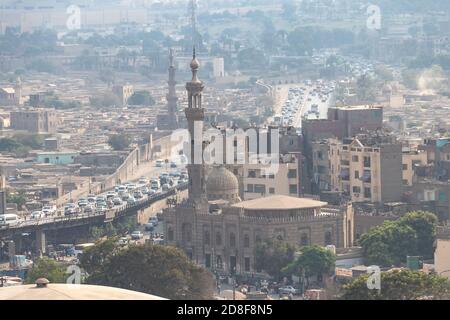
(280, 202)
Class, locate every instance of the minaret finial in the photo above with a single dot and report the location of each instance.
(193, 55)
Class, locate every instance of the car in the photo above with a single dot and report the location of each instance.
(110, 195)
(151, 192)
(88, 209)
(165, 187)
(159, 163)
(143, 180)
(123, 241)
(117, 201)
(153, 220)
(137, 235)
(101, 209)
(173, 165)
(130, 186)
(287, 290)
(101, 204)
(70, 208)
(91, 199)
(138, 195)
(35, 215)
(121, 189)
(149, 226)
(131, 200)
(82, 203)
(144, 190)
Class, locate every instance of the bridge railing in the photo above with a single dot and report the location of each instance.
(116, 211)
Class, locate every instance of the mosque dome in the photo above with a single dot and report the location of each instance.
(222, 185)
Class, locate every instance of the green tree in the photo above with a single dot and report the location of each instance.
(390, 243)
(106, 100)
(160, 270)
(399, 285)
(93, 258)
(425, 225)
(272, 255)
(46, 268)
(141, 98)
(119, 142)
(19, 198)
(366, 88)
(312, 261)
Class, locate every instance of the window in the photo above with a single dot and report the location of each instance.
(366, 162)
(272, 190)
(206, 238)
(367, 177)
(233, 264)
(355, 158)
(218, 239)
(356, 190)
(260, 188)
(247, 264)
(208, 260)
(405, 166)
(293, 189)
(328, 238)
(219, 262)
(304, 239)
(252, 174)
(271, 176)
(232, 240)
(356, 174)
(292, 173)
(367, 193)
(250, 188)
(170, 234)
(246, 241)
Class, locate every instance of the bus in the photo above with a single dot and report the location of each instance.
(9, 219)
(79, 248)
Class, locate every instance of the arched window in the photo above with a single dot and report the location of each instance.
(328, 238)
(232, 240)
(246, 241)
(304, 239)
(219, 262)
(206, 238)
(218, 239)
(186, 233)
(170, 234)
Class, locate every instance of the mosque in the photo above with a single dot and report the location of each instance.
(218, 230)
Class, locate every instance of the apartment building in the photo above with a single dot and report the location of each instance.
(286, 181)
(367, 168)
(37, 120)
(411, 159)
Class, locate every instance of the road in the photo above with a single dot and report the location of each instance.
(293, 102)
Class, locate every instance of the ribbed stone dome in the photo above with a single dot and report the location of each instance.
(222, 185)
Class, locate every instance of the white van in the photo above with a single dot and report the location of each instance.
(9, 219)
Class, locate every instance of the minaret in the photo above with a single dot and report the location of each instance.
(18, 91)
(2, 194)
(195, 116)
(172, 99)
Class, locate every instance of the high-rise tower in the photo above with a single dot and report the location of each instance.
(195, 115)
(171, 97)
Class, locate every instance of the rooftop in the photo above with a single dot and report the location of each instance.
(280, 202)
(71, 292)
